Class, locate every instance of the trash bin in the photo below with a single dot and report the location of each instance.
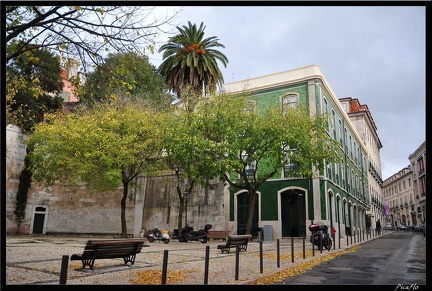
(260, 234)
(268, 233)
(348, 230)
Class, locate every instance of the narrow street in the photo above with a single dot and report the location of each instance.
(397, 259)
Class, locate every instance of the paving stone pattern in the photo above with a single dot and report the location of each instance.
(37, 260)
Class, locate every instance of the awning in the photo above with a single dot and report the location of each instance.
(370, 213)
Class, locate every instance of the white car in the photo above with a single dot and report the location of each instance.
(388, 226)
(402, 227)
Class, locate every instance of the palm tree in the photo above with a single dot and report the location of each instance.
(189, 60)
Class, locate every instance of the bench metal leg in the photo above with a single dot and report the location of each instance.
(87, 262)
(130, 259)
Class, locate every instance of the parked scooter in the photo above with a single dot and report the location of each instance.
(320, 236)
(188, 234)
(157, 234)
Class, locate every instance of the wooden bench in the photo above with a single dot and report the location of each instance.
(233, 240)
(218, 234)
(125, 248)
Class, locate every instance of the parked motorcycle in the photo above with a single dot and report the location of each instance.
(320, 236)
(188, 234)
(157, 234)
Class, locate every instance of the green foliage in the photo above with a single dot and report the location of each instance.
(231, 136)
(125, 74)
(103, 146)
(34, 87)
(187, 150)
(248, 146)
(23, 187)
(189, 59)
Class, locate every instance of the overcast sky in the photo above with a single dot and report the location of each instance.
(373, 53)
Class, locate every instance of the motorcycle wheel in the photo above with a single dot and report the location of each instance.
(203, 240)
(181, 239)
(166, 241)
(151, 239)
(329, 246)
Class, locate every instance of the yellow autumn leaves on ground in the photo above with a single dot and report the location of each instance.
(300, 268)
(150, 277)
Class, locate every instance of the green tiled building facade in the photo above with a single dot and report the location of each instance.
(336, 196)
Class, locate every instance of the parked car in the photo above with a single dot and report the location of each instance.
(388, 226)
(402, 227)
(418, 227)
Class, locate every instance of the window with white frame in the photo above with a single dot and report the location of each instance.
(333, 121)
(289, 167)
(343, 174)
(250, 167)
(289, 100)
(250, 106)
(325, 105)
(348, 179)
(329, 171)
(337, 173)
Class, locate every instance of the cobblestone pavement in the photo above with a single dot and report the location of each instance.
(37, 260)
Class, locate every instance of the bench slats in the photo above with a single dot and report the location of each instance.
(109, 249)
(233, 240)
(218, 234)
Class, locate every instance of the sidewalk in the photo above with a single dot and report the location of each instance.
(36, 260)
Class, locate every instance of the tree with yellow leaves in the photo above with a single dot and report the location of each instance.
(104, 147)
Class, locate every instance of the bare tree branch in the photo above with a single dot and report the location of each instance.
(86, 33)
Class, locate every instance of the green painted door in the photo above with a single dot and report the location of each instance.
(242, 213)
(293, 212)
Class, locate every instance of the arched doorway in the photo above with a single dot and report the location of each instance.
(293, 213)
(338, 214)
(39, 220)
(331, 210)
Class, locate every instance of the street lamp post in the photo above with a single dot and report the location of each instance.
(185, 194)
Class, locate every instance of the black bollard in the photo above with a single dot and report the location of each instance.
(313, 247)
(261, 257)
(237, 262)
(206, 265)
(304, 247)
(292, 249)
(64, 268)
(164, 267)
(320, 243)
(278, 253)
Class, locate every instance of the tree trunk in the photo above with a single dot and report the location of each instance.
(181, 210)
(123, 209)
(252, 197)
